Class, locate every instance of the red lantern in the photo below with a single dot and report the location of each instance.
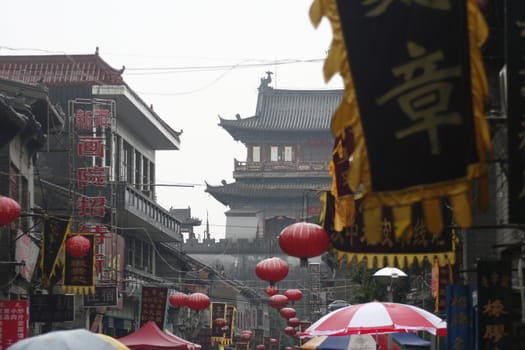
(294, 322)
(287, 312)
(178, 299)
(9, 210)
(278, 301)
(198, 301)
(261, 347)
(273, 341)
(289, 330)
(288, 348)
(247, 334)
(271, 290)
(293, 294)
(304, 240)
(272, 270)
(78, 246)
(219, 322)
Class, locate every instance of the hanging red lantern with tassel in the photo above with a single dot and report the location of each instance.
(178, 299)
(198, 301)
(304, 240)
(9, 210)
(293, 322)
(289, 330)
(293, 294)
(78, 246)
(278, 301)
(287, 312)
(272, 270)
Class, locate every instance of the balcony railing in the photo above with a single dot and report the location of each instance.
(268, 166)
(134, 201)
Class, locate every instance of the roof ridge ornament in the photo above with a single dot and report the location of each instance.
(265, 82)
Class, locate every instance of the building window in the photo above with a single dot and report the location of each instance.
(256, 153)
(274, 153)
(288, 156)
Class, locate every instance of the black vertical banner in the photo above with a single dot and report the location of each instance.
(153, 305)
(515, 62)
(55, 232)
(218, 311)
(409, 62)
(494, 305)
(79, 272)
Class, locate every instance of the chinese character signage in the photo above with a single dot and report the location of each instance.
(459, 317)
(14, 321)
(79, 272)
(494, 305)
(103, 296)
(51, 307)
(515, 83)
(93, 123)
(153, 305)
(411, 118)
(442, 278)
(418, 245)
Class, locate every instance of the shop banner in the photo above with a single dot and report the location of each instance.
(460, 317)
(494, 305)
(414, 101)
(350, 243)
(14, 321)
(54, 236)
(153, 304)
(79, 272)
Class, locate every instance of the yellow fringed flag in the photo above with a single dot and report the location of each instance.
(414, 92)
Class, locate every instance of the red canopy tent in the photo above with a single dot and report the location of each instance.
(150, 337)
(191, 346)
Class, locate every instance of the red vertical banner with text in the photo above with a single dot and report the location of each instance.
(14, 322)
(93, 124)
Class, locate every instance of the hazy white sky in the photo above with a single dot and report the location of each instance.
(192, 60)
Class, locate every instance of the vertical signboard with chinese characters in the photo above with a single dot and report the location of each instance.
(92, 130)
(231, 312)
(153, 305)
(14, 321)
(218, 312)
(459, 316)
(314, 270)
(515, 84)
(494, 305)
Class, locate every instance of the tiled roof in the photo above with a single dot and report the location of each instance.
(59, 70)
(282, 189)
(290, 110)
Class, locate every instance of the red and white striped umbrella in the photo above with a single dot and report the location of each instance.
(377, 317)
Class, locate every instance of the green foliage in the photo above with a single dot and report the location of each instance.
(369, 288)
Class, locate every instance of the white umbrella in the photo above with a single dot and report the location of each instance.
(388, 275)
(392, 272)
(75, 339)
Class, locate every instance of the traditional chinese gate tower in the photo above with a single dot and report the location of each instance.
(288, 143)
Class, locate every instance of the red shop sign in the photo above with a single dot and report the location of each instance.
(14, 321)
